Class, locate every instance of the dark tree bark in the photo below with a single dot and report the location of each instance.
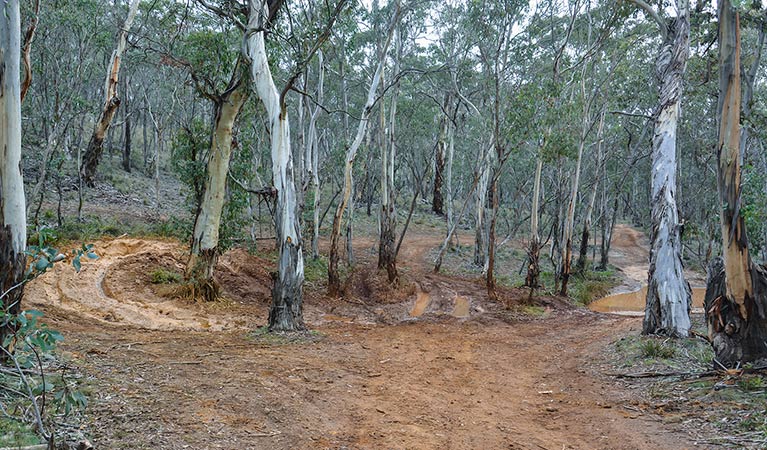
(438, 200)
(92, 156)
(736, 290)
(127, 132)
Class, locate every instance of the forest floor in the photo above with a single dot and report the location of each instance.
(431, 364)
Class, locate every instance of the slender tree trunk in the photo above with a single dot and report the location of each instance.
(127, 132)
(668, 294)
(314, 157)
(580, 266)
(144, 126)
(480, 227)
(95, 148)
(496, 203)
(286, 312)
(449, 174)
(334, 280)
(13, 221)
(567, 231)
(157, 153)
(50, 146)
(350, 230)
(443, 248)
(204, 253)
(387, 257)
(534, 249)
(437, 203)
(736, 291)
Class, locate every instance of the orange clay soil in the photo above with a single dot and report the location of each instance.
(450, 370)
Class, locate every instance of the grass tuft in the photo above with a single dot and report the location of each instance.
(653, 348)
(164, 276)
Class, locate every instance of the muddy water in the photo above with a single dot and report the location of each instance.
(633, 303)
(461, 308)
(421, 303)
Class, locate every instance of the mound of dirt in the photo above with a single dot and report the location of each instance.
(117, 288)
(372, 285)
(244, 277)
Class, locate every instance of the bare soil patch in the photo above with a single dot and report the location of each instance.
(465, 373)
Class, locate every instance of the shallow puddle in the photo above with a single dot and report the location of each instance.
(461, 308)
(422, 301)
(633, 303)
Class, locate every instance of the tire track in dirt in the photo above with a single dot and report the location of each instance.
(93, 295)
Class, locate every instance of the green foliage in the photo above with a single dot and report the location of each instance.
(751, 383)
(16, 433)
(592, 285)
(654, 348)
(535, 311)
(315, 270)
(164, 276)
(754, 208)
(28, 350)
(96, 227)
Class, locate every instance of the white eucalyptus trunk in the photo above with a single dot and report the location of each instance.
(387, 254)
(569, 224)
(13, 220)
(534, 248)
(580, 266)
(313, 155)
(449, 175)
(480, 227)
(286, 313)
(204, 254)
(667, 310)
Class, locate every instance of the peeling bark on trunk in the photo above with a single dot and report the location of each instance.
(667, 310)
(438, 200)
(286, 312)
(92, 155)
(334, 280)
(736, 291)
(204, 254)
(534, 248)
(13, 223)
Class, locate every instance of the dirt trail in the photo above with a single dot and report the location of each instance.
(430, 380)
(630, 253)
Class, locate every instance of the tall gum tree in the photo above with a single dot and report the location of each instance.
(95, 148)
(286, 312)
(334, 280)
(736, 288)
(13, 221)
(387, 254)
(667, 309)
(204, 252)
